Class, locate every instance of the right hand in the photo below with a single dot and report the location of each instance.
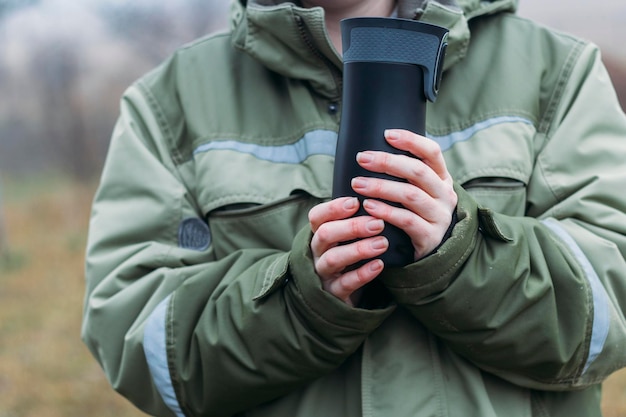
(332, 224)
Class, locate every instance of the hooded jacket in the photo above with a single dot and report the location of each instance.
(201, 296)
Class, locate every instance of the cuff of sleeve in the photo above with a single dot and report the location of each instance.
(325, 310)
(434, 273)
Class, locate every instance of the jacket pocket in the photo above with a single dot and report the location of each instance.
(246, 225)
(500, 194)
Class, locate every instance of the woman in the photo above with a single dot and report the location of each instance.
(217, 280)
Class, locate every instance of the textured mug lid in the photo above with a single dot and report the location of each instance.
(393, 40)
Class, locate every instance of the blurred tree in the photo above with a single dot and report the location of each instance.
(56, 70)
(65, 64)
(151, 28)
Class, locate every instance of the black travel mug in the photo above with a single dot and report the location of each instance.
(391, 68)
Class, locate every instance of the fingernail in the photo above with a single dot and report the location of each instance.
(370, 205)
(376, 265)
(379, 243)
(375, 225)
(392, 134)
(364, 157)
(359, 183)
(350, 203)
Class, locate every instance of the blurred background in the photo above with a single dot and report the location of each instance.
(63, 67)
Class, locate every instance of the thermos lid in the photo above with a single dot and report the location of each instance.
(393, 40)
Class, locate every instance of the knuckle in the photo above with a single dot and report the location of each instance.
(323, 235)
(432, 237)
(365, 249)
(418, 169)
(431, 149)
(345, 285)
(362, 275)
(379, 187)
(321, 267)
(355, 226)
(408, 223)
(385, 160)
(362, 248)
(413, 194)
(332, 261)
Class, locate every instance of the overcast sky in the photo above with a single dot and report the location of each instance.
(601, 21)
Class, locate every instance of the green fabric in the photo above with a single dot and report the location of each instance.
(500, 321)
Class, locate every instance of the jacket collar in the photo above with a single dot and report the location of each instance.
(292, 40)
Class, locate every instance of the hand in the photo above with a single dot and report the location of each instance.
(428, 198)
(332, 224)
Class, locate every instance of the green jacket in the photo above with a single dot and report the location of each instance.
(201, 295)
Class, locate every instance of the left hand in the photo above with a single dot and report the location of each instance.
(428, 198)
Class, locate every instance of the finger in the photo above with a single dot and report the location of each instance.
(344, 286)
(339, 208)
(332, 233)
(425, 235)
(406, 220)
(423, 148)
(334, 261)
(413, 170)
(413, 198)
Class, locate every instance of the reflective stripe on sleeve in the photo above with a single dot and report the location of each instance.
(601, 313)
(154, 346)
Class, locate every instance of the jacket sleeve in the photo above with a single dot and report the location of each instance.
(178, 332)
(539, 300)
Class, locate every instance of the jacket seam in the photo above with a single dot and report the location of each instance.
(538, 405)
(162, 122)
(366, 381)
(205, 39)
(440, 388)
(544, 175)
(178, 159)
(171, 357)
(547, 121)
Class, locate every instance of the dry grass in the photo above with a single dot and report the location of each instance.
(614, 396)
(45, 370)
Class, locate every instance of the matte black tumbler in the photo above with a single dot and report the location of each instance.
(391, 68)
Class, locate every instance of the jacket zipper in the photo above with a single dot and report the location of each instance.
(335, 73)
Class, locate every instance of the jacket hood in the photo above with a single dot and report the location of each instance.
(292, 40)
